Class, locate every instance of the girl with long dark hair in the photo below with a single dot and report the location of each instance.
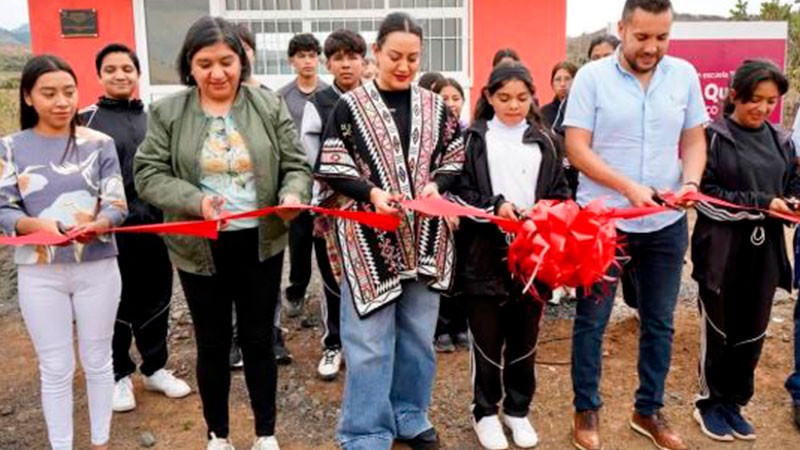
(512, 161)
(58, 177)
(387, 141)
(740, 256)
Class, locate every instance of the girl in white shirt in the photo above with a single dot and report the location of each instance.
(512, 161)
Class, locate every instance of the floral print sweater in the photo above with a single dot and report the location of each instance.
(38, 179)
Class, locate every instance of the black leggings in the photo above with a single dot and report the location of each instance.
(253, 287)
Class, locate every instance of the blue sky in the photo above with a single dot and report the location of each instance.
(582, 15)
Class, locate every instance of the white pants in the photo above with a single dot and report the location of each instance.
(51, 297)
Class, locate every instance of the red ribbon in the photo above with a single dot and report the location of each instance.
(439, 207)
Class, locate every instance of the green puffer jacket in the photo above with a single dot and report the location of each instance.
(167, 167)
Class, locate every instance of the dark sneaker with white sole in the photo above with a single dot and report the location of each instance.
(713, 423)
(742, 429)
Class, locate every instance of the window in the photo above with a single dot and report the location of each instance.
(259, 5)
(444, 31)
(347, 4)
(167, 22)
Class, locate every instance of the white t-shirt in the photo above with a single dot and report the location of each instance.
(513, 165)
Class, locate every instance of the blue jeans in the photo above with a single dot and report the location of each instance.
(390, 369)
(656, 260)
(793, 382)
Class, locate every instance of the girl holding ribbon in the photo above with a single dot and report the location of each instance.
(512, 161)
(220, 147)
(740, 255)
(62, 179)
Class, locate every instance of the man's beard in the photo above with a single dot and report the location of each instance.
(635, 67)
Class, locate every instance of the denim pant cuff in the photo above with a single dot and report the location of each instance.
(412, 423)
(380, 441)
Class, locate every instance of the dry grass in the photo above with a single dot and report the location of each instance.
(9, 111)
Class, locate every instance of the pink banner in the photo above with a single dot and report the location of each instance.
(717, 59)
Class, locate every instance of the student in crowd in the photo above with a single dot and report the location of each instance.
(505, 55)
(344, 59)
(428, 79)
(793, 382)
(370, 69)
(602, 46)
(144, 306)
(453, 95)
(624, 159)
(512, 161)
(304, 51)
(389, 301)
(215, 148)
(58, 177)
(740, 257)
(561, 80)
(451, 326)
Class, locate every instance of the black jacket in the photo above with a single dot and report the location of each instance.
(481, 248)
(719, 231)
(126, 122)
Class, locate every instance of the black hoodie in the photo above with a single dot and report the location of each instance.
(718, 229)
(126, 122)
(481, 248)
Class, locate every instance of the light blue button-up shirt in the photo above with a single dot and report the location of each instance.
(634, 131)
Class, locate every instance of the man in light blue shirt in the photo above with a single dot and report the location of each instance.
(634, 126)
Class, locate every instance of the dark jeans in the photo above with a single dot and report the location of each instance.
(658, 260)
(504, 334)
(330, 307)
(793, 382)
(144, 306)
(301, 243)
(252, 287)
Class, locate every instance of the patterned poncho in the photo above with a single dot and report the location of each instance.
(362, 145)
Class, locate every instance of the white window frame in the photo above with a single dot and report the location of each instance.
(149, 92)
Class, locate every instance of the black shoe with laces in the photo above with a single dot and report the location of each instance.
(282, 356)
(427, 440)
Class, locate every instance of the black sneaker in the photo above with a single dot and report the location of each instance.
(236, 357)
(282, 356)
(443, 344)
(427, 440)
(461, 340)
(293, 307)
(742, 429)
(713, 424)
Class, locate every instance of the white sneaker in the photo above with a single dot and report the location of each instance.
(490, 433)
(330, 364)
(216, 443)
(123, 399)
(164, 381)
(265, 443)
(522, 431)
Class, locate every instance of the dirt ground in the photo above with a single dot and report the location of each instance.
(308, 407)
